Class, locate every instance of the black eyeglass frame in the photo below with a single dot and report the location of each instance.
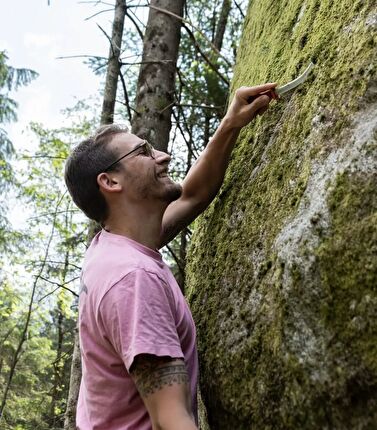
(145, 143)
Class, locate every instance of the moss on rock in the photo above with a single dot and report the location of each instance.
(282, 271)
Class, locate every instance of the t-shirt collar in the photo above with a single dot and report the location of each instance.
(142, 248)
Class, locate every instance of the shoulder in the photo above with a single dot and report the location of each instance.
(137, 283)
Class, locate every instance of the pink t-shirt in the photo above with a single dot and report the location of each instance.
(129, 304)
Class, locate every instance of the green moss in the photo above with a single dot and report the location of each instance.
(348, 266)
(283, 345)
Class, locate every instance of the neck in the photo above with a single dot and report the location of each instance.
(143, 225)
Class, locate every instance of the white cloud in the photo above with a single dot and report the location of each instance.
(33, 40)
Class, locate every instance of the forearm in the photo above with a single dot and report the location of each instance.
(205, 177)
(183, 422)
(163, 384)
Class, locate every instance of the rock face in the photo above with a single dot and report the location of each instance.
(283, 265)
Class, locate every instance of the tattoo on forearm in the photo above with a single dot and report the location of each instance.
(151, 374)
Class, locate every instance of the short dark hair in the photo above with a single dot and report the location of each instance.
(83, 166)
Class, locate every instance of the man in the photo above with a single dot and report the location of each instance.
(137, 335)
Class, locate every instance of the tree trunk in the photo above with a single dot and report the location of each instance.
(107, 117)
(113, 65)
(74, 386)
(282, 269)
(57, 371)
(156, 83)
(58, 367)
(221, 24)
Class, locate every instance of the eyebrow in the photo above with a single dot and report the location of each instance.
(139, 144)
(136, 147)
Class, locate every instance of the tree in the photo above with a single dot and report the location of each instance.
(205, 61)
(35, 310)
(39, 318)
(282, 267)
(201, 88)
(113, 65)
(10, 79)
(156, 83)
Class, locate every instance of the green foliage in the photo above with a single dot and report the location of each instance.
(49, 254)
(200, 90)
(50, 247)
(10, 79)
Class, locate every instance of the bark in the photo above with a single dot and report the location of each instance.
(221, 24)
(113, 66)
(282, 268)
(156, 82)
(57, 371)
(74, 386)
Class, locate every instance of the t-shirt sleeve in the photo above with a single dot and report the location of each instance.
(138, 314)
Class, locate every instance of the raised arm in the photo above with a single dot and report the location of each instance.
(163, 384)
(205, 177)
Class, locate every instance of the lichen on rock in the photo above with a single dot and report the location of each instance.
(282, 271)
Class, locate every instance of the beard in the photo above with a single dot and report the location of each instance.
(167, 191)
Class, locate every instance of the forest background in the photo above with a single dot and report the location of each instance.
(47, 105)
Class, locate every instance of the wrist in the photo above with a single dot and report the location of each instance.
(227, 125)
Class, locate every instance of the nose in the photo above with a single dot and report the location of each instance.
(161, 157)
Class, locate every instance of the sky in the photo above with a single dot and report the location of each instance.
(34, 33)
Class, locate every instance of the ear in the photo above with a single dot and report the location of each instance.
(108, 182)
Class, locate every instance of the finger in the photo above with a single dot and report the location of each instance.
(260, 104)
(246, 92)
(269, 93)
(261, 101)
(275, 95)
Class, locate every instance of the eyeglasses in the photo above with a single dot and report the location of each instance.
(145, 145)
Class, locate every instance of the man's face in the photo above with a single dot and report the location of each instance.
(144, 177)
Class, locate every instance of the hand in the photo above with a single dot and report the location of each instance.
(248, 102)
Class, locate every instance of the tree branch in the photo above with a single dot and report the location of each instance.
(179, 265)
(135, 24)
(207, 60)
(200, 106)
(109, 39)
(239, 8)
(126, 99)
(17, 353)
(53, 291)
(98, 13)
(185, 21)
(189, 147)
(80, 56)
